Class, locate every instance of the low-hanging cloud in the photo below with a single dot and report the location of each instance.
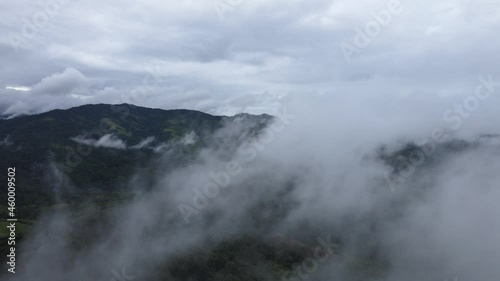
(108, 141)
(319, 177)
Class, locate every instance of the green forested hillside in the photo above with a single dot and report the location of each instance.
(44, 151)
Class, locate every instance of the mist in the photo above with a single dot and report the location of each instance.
(315, 173)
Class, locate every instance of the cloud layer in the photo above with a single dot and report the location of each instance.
(184, 55)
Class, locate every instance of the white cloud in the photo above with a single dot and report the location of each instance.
(144, 143)
(109, 141)
(18, 88)
(162, 147)
(189, 138)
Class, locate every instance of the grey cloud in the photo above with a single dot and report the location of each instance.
(277, 46)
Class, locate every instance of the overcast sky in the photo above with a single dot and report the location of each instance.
(230, 56)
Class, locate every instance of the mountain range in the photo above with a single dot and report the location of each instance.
(95, 148)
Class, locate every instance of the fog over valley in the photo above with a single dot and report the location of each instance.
(250, 140)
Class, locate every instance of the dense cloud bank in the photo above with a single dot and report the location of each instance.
(172, 54)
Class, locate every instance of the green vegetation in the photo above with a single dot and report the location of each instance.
(41, 143)
(21, 229)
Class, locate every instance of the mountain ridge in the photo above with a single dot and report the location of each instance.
(98, 146)
(8, 117)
